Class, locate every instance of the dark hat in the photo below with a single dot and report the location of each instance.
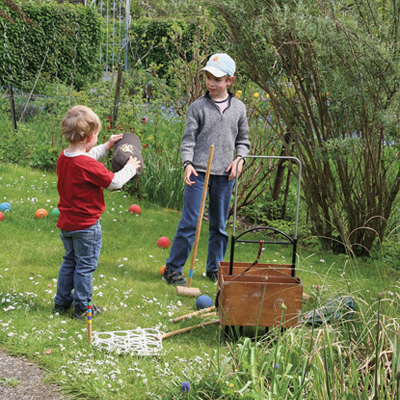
(128, 146)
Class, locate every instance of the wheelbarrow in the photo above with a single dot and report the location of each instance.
(259, 294)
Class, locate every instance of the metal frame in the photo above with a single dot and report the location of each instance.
(290, 241)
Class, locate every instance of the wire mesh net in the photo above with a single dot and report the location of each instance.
(143, 342)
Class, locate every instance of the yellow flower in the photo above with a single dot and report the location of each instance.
(232, 385)
(256, 95)
(238, 93)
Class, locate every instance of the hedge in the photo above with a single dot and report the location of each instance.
(64, 37)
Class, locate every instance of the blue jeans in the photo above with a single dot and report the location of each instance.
(82, 251)
(219, 192)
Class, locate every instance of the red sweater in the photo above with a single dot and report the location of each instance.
(81, 180)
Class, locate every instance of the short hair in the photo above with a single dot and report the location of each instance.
(79, 123)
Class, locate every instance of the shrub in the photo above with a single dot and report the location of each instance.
(64, 38)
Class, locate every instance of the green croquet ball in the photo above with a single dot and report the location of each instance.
(55, 211)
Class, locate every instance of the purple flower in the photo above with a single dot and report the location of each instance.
(185, 388)
(276, 365)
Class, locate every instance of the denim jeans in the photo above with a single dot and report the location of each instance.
(82, 251)
(219, 192)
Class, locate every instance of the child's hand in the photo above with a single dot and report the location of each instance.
(236, 164)
(189, 170)
(113, 139)
(134, 162)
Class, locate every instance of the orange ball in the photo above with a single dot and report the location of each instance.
(1, 216)
(163, 242)
(162, 269)
(41, 213)
(135, 209)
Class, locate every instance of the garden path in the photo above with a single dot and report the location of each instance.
(28, 379)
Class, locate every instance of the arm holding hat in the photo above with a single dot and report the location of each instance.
(100, 151)
(111, 142)
(125, 174)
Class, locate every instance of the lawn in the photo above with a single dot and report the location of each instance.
(128, 285)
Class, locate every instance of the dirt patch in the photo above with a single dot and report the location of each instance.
(23, 380)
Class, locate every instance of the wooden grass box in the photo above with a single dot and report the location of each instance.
(240, 297)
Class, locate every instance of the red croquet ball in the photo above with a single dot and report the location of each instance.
(163, 242)
(162, 269)
(135, 209)
(1, 216)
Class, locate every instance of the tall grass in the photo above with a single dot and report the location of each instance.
(163, 180)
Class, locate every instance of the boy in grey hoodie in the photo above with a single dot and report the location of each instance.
(217, 118)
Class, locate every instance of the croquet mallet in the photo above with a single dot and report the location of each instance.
(89, 317)
(189, 291)
(195, 313)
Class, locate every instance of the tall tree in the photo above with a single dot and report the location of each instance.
(332, 74)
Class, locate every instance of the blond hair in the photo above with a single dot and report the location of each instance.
(79, 123)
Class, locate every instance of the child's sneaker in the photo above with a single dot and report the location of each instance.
(61, 309)
(174, 278)
(213, 276)
(81, 314)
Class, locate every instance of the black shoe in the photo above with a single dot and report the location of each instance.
(80, 314)
(61, 309)
(212, 275)
(174, 278)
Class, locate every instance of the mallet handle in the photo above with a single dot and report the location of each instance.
(200, 218)
(189, 328)
(192, 314)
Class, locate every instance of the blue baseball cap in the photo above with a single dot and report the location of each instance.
(220, 64)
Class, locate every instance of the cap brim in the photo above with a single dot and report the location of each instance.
(215, 71)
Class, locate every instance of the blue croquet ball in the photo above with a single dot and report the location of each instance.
(55, 212)
(204, 301)
(5, 207)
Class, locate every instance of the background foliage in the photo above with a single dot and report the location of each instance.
(331, 72)
(320, 81)
(63, 37)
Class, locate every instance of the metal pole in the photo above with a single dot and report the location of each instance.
(113, 34)
(107, 30)
(12, 106)
(127, 18)
(101, 13)
(116, 102)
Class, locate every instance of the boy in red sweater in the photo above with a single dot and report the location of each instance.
(81, 179)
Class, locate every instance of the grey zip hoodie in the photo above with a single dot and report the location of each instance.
(207, 125)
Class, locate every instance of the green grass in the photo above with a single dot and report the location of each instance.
(128, 285)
